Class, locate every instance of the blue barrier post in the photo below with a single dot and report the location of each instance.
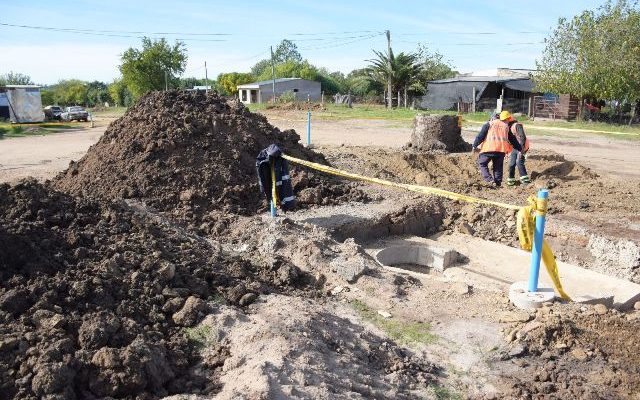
(273, 209)
(308, 128)
(538, 237)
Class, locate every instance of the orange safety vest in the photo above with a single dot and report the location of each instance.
(497, 139)
(514, 130)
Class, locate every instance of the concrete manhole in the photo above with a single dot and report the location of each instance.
(417, 258)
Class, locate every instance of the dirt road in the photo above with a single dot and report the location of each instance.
(44, 156)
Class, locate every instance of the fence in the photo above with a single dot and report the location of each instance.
(562, 107)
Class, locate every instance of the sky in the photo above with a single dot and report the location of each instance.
(89, 36)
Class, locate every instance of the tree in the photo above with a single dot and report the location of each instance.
(97, 94)
(229, 82)
(155, 66)
(433, 66)
(402, 70)
(15, 78)
(120, 94)
(594, 54)
(286, 51)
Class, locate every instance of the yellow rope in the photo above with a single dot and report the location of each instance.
(525, 221)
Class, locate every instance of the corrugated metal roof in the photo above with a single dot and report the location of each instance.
(270, 81)
(479, 79)
(21, 86)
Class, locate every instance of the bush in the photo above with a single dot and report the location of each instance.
(286, 97)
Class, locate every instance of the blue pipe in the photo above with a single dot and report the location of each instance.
(273, 209)
(308, 128)
(538, 237)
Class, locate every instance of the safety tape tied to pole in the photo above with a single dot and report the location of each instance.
(525, 217)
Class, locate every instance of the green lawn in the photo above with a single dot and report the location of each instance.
(8, 130)
(111, 112)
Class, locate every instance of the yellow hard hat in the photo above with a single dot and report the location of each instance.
(505, 115)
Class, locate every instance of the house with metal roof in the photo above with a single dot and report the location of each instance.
(479, 93)
(21, 103)
(263, 91)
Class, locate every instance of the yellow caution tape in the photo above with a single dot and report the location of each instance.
(526, 225)
(274, 192)
(413, 188)
(525, 221)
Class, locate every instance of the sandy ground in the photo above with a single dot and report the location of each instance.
(44, 156)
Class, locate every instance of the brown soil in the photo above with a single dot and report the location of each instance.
(574, 352)
(192, 155)
(295, 106)
(94, 299)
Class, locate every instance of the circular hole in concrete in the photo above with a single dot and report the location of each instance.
(417, 258)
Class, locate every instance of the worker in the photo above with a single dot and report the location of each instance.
(517, 157)
(494, 141)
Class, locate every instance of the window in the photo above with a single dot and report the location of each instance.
(244, 95)
(295, 90)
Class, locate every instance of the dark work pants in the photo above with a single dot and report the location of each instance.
(519, 161)
(497, 165)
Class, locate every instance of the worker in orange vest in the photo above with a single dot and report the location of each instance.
(494, 141)
(517, 157)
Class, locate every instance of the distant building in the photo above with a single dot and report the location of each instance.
(200, 88)
(21, 103)
(262, 92)
(509, 92)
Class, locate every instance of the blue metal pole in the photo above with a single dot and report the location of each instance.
(538, 237)
(273, 209)
(308, 128)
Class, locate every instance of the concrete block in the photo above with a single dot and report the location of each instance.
(524, 299)
(438, 258)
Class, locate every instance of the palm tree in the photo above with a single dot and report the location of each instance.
(403, 70)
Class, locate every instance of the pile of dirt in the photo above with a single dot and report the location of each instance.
(296, 106)
(97, 299)
(191, 154)
(437, 134)
(574, 351)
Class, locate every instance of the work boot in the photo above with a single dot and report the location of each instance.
(511, 182)
(524, 180)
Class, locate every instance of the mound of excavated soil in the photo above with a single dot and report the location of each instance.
(96, 300)
(575, 352)
(192, 154)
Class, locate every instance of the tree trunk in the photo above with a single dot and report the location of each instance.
(405, 97)
(634, 111)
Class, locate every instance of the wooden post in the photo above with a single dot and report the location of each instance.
(273, 75)
(473, 101)
(405, 97)
(389, 83)
(529, 112)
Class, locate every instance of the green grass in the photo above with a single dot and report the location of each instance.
(111, 112)
(443, 393)
(406, 333)
(8, 130)
(200, 336)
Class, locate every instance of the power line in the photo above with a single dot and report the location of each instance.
(123, 34)
(342, 43)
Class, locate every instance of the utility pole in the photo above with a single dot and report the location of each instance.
(389, 83)
(206, 79)
(166, 85)
(273, 75)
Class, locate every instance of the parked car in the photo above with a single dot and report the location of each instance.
(75, 113)
(52, 112)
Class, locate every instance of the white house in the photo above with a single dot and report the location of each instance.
(262, 92)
